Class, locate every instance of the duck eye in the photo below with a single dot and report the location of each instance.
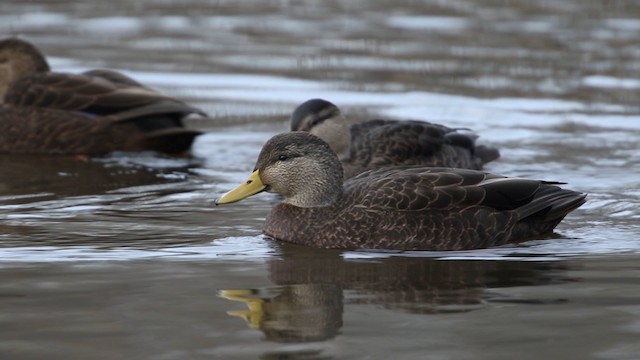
(283, 157)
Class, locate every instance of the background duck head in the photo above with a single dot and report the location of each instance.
(18, 58)
(324, 120)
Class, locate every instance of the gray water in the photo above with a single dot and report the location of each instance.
(125, 257)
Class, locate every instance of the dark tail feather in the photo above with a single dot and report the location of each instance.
(549, 206)
(486, 153)
(170, 141)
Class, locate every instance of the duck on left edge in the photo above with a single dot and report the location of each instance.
(92, 113)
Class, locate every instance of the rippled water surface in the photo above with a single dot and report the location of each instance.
(126, 256)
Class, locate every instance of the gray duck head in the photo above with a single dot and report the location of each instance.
(18, 58)
(297, 165)
(323, 119)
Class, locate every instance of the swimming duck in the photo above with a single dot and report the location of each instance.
(377, 143)
(399, 208)
(92, 113)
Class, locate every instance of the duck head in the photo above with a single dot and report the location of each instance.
(297, 165)
(323, 119)
(18, 58)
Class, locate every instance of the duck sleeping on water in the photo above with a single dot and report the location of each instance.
(396, 208)
(92, 113)
(373, 144)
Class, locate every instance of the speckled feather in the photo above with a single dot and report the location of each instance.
(380, 143)
(95, 93)
(60, 113)
(28, 130)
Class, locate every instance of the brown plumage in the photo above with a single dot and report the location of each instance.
(403, 208)
(92, 113)
(374, 144)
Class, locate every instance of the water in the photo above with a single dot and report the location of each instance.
(126, 256)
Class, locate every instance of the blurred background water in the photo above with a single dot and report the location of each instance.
(126, 256)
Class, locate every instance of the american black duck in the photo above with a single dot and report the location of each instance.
(403, 208)
(92, 113)
(374, 144)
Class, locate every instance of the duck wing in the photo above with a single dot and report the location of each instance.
(114, 77)
(416, 188)
(98, 92)
(421, 189)
(379, 143)
(33, 130)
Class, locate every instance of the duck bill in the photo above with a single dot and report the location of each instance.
(251, 186)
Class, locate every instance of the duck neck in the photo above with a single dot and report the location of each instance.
(315, 199)
(335, 132)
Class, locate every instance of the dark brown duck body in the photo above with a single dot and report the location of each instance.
(417, 208)
(92, 113)
(373, 144)
(397, 208)
(27, 130)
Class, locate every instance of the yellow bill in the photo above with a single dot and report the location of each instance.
(251, 186)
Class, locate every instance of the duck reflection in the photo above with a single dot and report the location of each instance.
(296, 313)
(313, 287)
(52, 177)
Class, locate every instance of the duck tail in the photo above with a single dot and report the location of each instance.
(549, 206)
(171, 141)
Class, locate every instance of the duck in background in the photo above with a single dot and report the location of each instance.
(396, 208)
(92, 113)
(374, 144)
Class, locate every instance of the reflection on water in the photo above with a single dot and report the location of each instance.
(169, 309)
(123, 257)
(296, 313)
(308, 302)
(52, 177)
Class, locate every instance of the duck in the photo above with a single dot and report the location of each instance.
(91, 113)
(377, 143)
(407, 207)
